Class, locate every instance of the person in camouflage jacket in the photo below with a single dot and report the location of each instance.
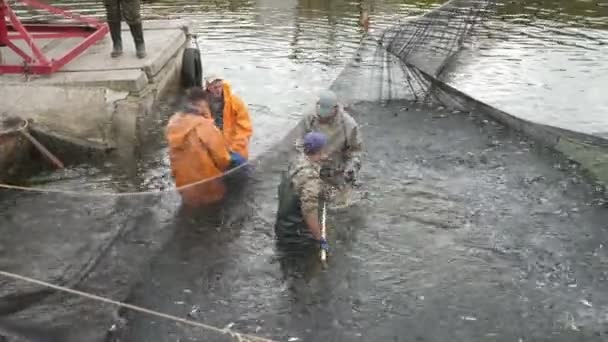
(300, 191)
(344, 145)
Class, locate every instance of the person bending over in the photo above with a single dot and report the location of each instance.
(198, 152)
(298, 217)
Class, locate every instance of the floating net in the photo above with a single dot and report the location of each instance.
(101, 241)
(396, 63)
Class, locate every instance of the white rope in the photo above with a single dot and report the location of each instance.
(226, 331)
(123, 194)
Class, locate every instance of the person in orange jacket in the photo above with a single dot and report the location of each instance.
(231, 117)
(198, 152)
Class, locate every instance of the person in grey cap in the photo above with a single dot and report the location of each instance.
(297, 221)
(344, 146)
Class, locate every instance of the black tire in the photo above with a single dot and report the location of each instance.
(192, 68)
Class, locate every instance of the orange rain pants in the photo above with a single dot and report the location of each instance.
(198, 154)
(237, 123)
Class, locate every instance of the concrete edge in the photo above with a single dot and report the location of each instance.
(162, 24)
(143, 103)
(171, 62)
(164, 58)
(130, 85)
(590, 152)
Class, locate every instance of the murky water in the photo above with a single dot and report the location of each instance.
(468, 233)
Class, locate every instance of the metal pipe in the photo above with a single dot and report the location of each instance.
(3, 27)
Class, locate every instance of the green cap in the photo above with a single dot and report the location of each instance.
(327, 102)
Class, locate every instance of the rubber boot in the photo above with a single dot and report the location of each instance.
(116, 39)
(138, 37)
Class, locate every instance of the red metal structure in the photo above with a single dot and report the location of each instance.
(35, 62)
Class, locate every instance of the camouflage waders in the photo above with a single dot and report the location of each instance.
(298, 192)
(290, 228)
(130, 10)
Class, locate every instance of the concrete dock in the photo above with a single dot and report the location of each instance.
(97, 101)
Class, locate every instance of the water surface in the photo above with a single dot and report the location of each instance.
(532, 59)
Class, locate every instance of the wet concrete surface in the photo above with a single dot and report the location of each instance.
(468, 232)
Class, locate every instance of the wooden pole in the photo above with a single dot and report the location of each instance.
(323, 230)
(43, 150)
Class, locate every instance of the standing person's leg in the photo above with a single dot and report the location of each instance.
(113, 15)
(132, 13)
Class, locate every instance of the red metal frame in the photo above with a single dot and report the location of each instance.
(13, 29)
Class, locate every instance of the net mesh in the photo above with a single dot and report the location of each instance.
(394, 63)
(101, 243)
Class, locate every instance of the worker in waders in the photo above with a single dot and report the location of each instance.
(300, 193)
(198, 153)
(344, 144)
(231, 117)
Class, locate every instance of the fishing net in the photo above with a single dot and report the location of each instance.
(102, 243)
(99, 243)
(400, 62)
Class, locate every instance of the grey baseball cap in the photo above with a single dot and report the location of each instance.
(327, 102)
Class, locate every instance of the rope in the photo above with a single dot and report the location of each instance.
(123, 194)
(226, 331)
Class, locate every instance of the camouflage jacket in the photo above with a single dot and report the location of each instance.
(299, 195)
(344, 140)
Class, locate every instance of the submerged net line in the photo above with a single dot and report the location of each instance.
(130, 194)
(227, 331)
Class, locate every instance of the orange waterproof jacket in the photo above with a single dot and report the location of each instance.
(237, 123)
(197, 152)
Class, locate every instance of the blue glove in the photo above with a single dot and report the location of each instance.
(236, 159)
(324, 245)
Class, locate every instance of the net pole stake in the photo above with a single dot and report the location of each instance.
(323, 230)
(43, 150)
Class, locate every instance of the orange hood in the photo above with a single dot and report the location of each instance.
(181, 125)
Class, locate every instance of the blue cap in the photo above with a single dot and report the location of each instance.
(327, 102)
(314, 142)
